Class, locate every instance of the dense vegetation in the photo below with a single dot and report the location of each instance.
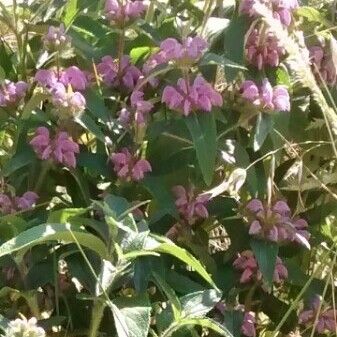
(168, 168)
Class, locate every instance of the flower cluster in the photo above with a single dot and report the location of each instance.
(264, 48)
(187, 52)
(281, 9)
(248, 325)
(24, 328)
(323, 65)
(61, 149)
(10, 205)
(139, 107)
(11, 93)
(56, 38)
(121, 12)
(128, 166)
(191, 207)
(326, 321)
(247, 264)
(115, 75)
(69, 103)
(275, 222)
(186, 98)
(266, 97)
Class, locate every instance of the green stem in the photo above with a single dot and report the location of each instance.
(45, 168)
(96, 317)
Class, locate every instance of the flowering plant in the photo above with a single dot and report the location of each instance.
(167, 168)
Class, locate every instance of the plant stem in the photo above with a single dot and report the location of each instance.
(96, 317)
(45, 168)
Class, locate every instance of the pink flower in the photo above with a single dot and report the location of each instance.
(11, 93)
(141, 107)
(108, 69)
(6, 205)
(247, 264)
(281, 9)
(26, 201)
(69, 103)
(128, 167)
(75, 77)
(275, 223)
(46, 78)
(10, 205)
(188, 51)
(266, 97)
(154, 61)
(123, 12)
(56, 38)
(248, 325)
(323, 65)
(191, 207)
(61, 149)
(64, 149)
(41, 143)
(265, 50)
(326, 316)
(186, 98)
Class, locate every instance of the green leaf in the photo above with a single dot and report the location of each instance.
(34, 102)
(169, 292)
(132, 316)
(212, 58)
(70, 11)
(203, 322)
(234, 39)
(264, 125)
(88, 123)
(198, 304)
(233, 322)
(312, 15)
(168, 247)
(64, 215)
(52, 232)
(23, 158)
(202, 128)
(266, 254)
(138, 53)
(96, 163)
(95, 103)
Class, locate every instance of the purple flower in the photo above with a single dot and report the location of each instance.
(75, 77)
(64, 150)
(185, 97)
(191, 207)
(266, 97)
(41, 143)
(10, 205)
(191, 49)
(265, 50)
(326, 316)
(248, 325)
(128, 75)
(6, 204)
(247, 264)
(26, 201)
(141, 107)
(153, 61)
(281, 9)
(46, 78)
(129, 167)
(11, 93)
(275, 223)
(61, 149)
(56, 38)
(323, 65)
(69, 104)
(120, 13)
